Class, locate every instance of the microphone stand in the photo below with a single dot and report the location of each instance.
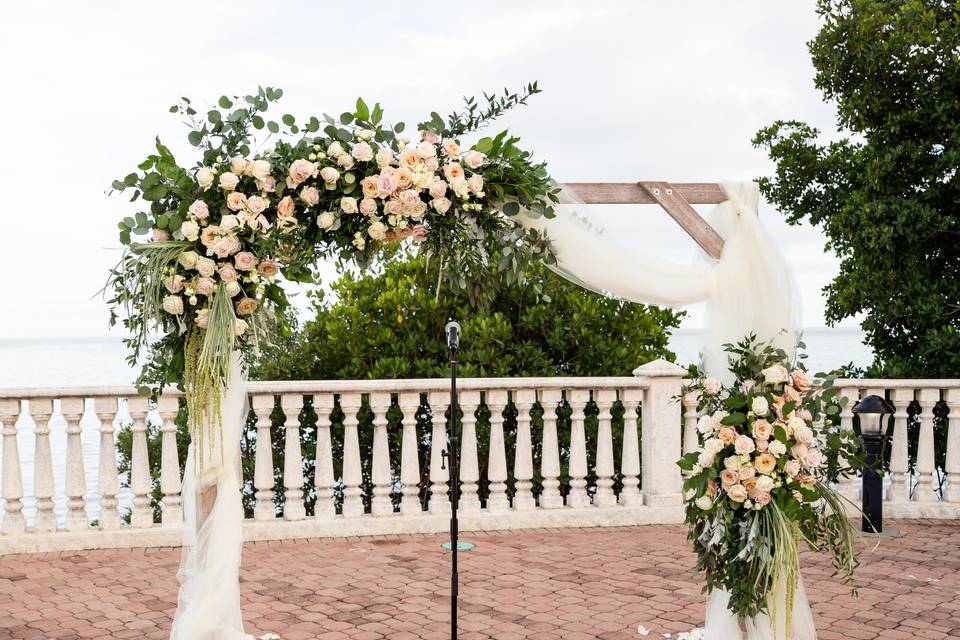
(453, 342)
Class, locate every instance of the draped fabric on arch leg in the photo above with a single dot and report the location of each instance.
(748, 290)
(208, 606)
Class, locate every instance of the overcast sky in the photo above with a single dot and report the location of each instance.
(632, 90)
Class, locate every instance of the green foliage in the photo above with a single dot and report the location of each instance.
(886, 195)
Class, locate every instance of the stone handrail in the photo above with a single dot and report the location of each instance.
(86, 511)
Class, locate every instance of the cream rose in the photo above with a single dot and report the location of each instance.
(704, 503)
(260, 170)
(326, 219)
(239, 327)
(229, 181)
(760, 406)
(205, 177)
(384, 156)
(473, 159)
(737, 493)
(705, 459)
(173, 305)
(233, 288)
(426, 150)
(765, 484)
(777, 448)
(203, 318)
(377, 231)
(714, 445)
(791, 468)
(188, 259)
(190, 230)
(198, 209)
(732, 463)
(335, 149)
(775, 374)
(239, 166)
(705, 425)
(346, 161)
(348, 204)
(804, 435)
(174, 284)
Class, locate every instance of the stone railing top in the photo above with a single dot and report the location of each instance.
(352, 386)
(897, 383)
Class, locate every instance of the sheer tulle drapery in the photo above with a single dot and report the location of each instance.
(208, 605)
(748, 290)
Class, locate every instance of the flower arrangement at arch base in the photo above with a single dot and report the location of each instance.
(201, 277)
(770, 446)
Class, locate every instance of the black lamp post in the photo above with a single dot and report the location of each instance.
(873, 412)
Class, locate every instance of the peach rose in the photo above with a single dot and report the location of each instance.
(750, 484)
(765, 463)
(229, 181)
(159, 235)
(198, 209)
(403, 177)
(286, 208)
(246, 306)
(473, 159)
(460, 187)
(728, 477)
(236, 201)
(475, 182)
(239, 165)
(800, 380)
(453, 171)
(806, 479)
(804, 435)
(268, 268)
(369, 187)
(409, 158)
(438, 188)
(418, 209)
(245, 261)
(762, 430)
(450, 148)
(310, 196)
(727, 434)
(300, 170)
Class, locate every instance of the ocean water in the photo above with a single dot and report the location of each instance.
(101, 362)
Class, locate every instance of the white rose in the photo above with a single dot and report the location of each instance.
(710, 385)
(190, 230)
(426, 150)
(188, 259)
(732, 463)
(794, 423)
(384, 157)
(473, 159)
(377, 231)
(348, 204)
(239, 327)
(714, 445)
(705, 424)
(345, 161)
(205, 177)
(228, 181)
(260, 169)
(705, 459)
(442, 205)
(326, 219)
(173, 305)
(760, 406)
(704, 503)
(777, 448)
(775, 374)
(239, 166)
(363, 152)
(765, 484)
(229, 222)
(232, 288)
(335, 149)
(475, 182)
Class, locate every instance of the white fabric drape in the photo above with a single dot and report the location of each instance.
(208, 606)
(749, 290)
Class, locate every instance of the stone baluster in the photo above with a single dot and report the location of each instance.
(382, 474)
(497, 500)
(848, 486)
(899, 490)
(40, 410)
(691, 440)
(661, 444)
(630, 455)
(170, 484)
(140, 481)
(12, 489)
(469, 465)
(439, 471)
(324, 477)
(523, 499)
(107, 481)
(263, 480)
(926, 468)
(577, 497)
(293, 509)
(410, 455)
(75, 479)
(605, 497)
(550, 497)
(352, 468)
(951, 492)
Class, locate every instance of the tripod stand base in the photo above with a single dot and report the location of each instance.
(461, 546)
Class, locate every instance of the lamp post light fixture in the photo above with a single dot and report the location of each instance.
(873, 412)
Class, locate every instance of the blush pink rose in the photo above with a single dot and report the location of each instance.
(268, 184)
(473, 159)
(300, 170)
(310, 196)
(205, 286)
(363, 152)
(329, 175)
(743, 444)
(286, 208)
(227, 272)
(762, 498)
(174, 284)
(226, 246)
(368, 206)
(198, 209)
(256, 204)
(245, 261)
(737, 493)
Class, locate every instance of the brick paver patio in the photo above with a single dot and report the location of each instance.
(574, 584)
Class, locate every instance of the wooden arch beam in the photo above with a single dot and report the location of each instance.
(674, 198)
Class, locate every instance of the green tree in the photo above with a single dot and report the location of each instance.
(887, 194)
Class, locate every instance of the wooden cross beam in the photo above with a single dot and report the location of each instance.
(674, 198)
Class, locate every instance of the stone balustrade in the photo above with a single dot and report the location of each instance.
(525, 478)
(61, 487)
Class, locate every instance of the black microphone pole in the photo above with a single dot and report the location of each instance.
(453, 343)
